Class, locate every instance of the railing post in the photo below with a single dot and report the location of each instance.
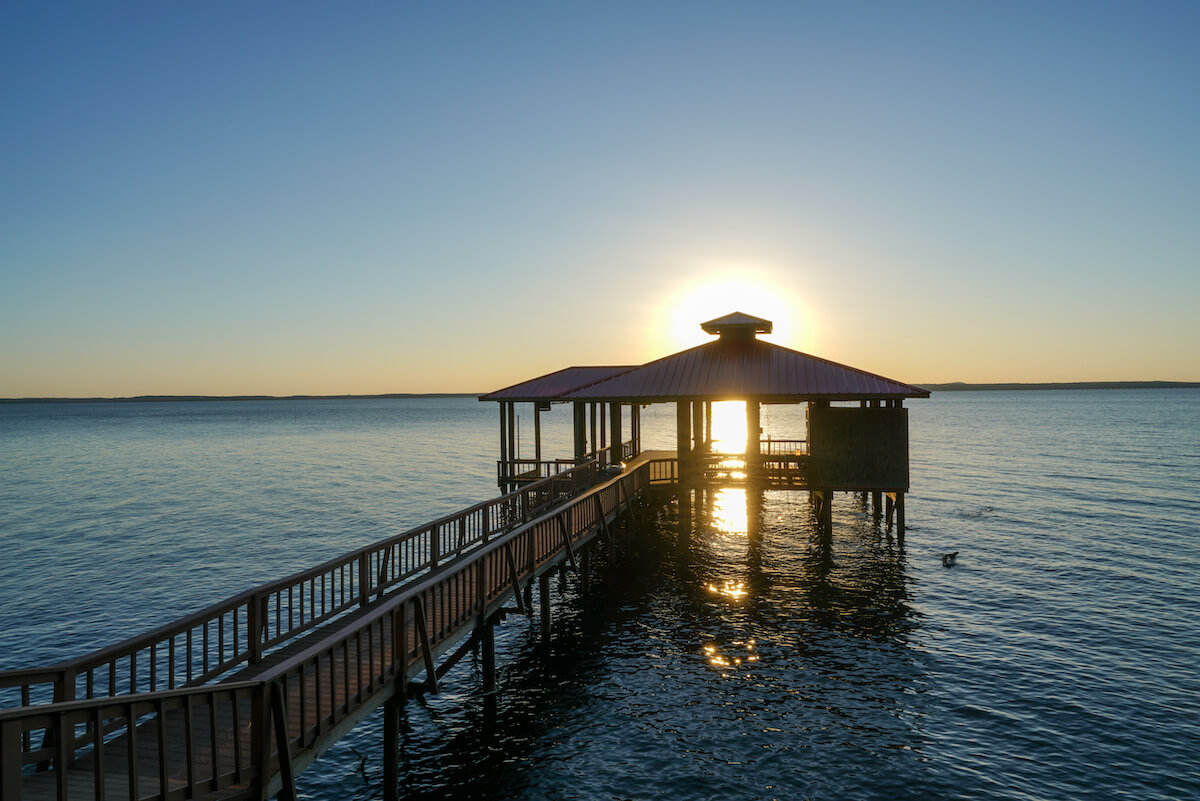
(10, 760)
(364, 579)
(260, 740)
(64, 686)
(435, 546)
(254, 626)
(283, 746)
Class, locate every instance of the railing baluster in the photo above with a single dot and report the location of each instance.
(97, 720)
(163, 769)
(317, 691)
(189, 751)
(64, 752)
(240, 768)
(213, 742)
(131, 742)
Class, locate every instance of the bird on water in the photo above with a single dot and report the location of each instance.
(948, 558)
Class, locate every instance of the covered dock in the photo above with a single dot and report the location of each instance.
(854, 437)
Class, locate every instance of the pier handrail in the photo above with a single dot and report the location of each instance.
(238, 630)
(783, 447)
(393, 640)
(517, 469)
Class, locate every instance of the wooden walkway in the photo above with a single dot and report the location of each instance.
(233, 702)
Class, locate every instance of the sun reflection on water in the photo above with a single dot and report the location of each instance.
(739, 655)
(729, 516)
(735, 590)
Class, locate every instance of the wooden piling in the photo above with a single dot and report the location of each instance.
(753, 427)
(579, 421)
(391, 745)
(614, 432)
(683, 437)
(488, 656)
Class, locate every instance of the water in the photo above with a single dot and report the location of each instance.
(737, 653)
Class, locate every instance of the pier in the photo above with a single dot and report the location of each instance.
(235, 701)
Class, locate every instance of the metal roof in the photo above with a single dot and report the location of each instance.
(554, 386)
(732, 369)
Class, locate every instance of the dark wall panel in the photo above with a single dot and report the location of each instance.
(858, 449)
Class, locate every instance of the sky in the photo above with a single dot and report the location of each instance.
(226, 198)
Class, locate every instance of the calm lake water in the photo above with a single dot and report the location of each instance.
(736, 653)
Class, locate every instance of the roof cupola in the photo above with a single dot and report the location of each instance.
(737, 326)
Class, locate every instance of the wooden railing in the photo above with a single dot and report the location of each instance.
(783, 447)
(515, 470)
(664, 470)
(531, 469)
(242, 738)
(239, 630)
(777, 470)
(223, 746)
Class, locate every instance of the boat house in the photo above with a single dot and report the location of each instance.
(854, 436)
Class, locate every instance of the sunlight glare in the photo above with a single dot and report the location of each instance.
(720, 660)
(756, 293)
(729, 515)
(729, 427)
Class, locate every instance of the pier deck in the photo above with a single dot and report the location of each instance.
(237, 718)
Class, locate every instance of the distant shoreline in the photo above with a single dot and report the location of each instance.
(956, 386)
(959, 386)
(181, 398)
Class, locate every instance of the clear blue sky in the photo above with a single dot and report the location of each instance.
(222, 198)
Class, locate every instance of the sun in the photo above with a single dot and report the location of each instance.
(704, 299)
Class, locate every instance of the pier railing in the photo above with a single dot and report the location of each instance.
(518, 470)
(778, 470)
(239, 630)
(531, 469)
(783, 447)
(240, 739)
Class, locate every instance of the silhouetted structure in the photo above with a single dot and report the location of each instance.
(855, 437)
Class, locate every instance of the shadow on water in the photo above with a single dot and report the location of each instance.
(735, 650)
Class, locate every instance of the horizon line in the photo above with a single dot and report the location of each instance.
(950, 386)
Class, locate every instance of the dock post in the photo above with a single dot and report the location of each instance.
(614, 432)
(900, 519)
(822, 501)
(391, 744)
(537, 435)
(753, 427)
(603, 441)
(544, 598)
(595, 443)
(585, 570)
(890, 508)
(683, 439)
(488, 653)
(513, 455)
(708, 417)
(580, 432)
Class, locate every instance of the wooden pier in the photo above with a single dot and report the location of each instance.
(234, 701)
